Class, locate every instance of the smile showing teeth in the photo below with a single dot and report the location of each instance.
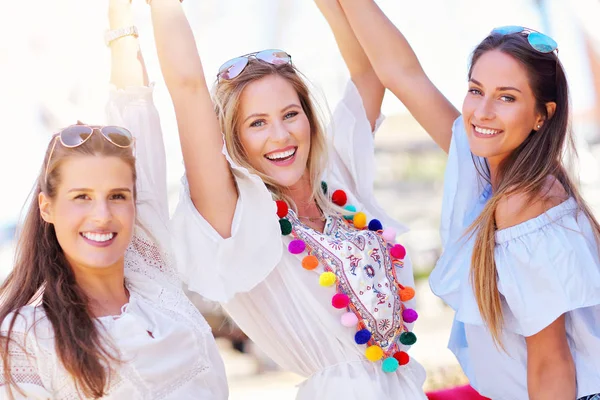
(281, 155)
(98, 237)
(485, 131)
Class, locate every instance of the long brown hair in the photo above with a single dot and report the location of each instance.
(227, 95)
(527, 168)
(41, 272)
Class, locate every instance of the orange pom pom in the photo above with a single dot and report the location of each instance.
(360, 220)
(310, 262)
(407, 294)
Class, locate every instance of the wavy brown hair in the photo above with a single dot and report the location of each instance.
(227, 96)
(526, 169)
(42, 274)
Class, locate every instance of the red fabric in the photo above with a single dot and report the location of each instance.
(457, 393)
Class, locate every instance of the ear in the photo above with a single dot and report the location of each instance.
(550, 110)
(45, 208)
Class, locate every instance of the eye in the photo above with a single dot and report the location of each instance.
(291, 114)
(82, 197)
(475, 92)
(507, 99)
(118, 196)
(258, 123)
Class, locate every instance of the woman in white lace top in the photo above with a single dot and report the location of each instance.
(93, 307)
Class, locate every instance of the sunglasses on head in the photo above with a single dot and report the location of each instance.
(537, 40)
(76, 135)
(235, 66)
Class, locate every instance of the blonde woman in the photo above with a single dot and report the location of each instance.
(521, 261)
(324, 296)
(93, 307)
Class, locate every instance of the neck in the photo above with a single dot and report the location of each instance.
(494, 165)
(104, 287)
(301, 193)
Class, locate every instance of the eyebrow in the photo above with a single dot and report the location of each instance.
(265, 115)
(500, 88)
(91, 190)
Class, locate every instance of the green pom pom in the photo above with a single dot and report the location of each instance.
(286, 226)
(408, 338)
(324, 187)
(390, 364)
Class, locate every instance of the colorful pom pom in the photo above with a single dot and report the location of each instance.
(360, 220)
(375, 225)
(350, 208)
(310, 262)
(296, 246)
(339, 197)
(327, 279)
(324, 187)
(374, 353)
(402, 357)
(408, 338)
(409, 315)
(349, 319)
(407, 294)
(389, 234)
(286, 226)
(282, 208)
(398, 251)
(340, 300)
(390, 364)
(362, 337)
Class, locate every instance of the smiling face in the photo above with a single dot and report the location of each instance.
(499, 110)
(93, 210)
(274, 130)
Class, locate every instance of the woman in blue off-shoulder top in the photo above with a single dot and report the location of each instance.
(520, 265)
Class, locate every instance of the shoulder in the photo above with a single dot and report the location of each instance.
(520, 207)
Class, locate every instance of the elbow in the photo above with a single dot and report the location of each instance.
(553, 374)
(188, 81)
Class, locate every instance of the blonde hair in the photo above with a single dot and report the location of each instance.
(525, 170)
(227, 96)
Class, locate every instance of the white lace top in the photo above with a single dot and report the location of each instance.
(167, 349)
(279, 304)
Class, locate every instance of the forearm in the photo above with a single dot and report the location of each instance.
(176, 46)
(386, 47)
(127, 63)
(361, 72)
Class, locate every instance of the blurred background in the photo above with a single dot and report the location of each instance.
(54, 70)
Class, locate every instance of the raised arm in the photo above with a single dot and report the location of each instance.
(361, 72)
(399, 69)
(211, 184)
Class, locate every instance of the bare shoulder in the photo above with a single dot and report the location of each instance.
(520, 207)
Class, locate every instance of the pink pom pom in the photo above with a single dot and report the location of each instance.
(398, 251)
(296, 246)
(340, 300)
(389, 234)
(409, 315)
(349, 319)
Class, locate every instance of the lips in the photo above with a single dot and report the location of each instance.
(485, 132)
(99, 239)
(282, 157)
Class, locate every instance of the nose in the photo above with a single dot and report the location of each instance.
(280, 132)
(102, 213)
(485, 110)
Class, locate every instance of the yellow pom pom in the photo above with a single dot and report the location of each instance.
(360, 220)
(374, 353)
(327, 279)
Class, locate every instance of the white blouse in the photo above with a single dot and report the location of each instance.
(166, 346)
(547, 266)
(280, 305)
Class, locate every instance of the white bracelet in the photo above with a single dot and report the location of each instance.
(149, 2)
(114, 34)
